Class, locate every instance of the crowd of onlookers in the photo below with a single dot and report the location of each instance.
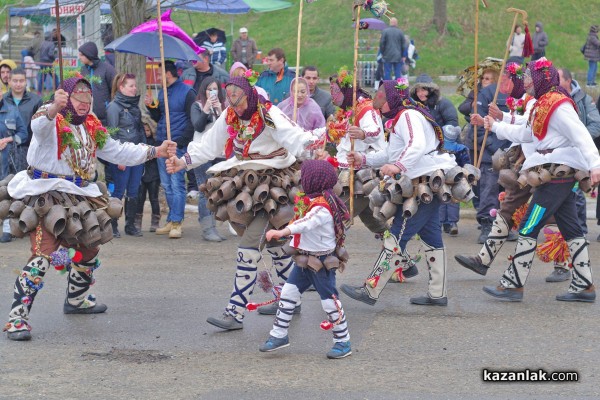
(197, 99)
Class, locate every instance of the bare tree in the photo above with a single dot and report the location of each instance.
(440, 15)
(126, 15)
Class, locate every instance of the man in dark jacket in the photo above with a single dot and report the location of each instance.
(181, 98)
(93, 67)
(393, 49)
(540, 41)
(47, 57)
(488, 184)
(323, 98)
(27, 102)
(203, 68)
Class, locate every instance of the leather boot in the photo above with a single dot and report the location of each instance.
(130, 215)
(138, 221)
(115, 227)
(154, 222)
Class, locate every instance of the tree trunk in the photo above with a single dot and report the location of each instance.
(126, 15)
(440, 15)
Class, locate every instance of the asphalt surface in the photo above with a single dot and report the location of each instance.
(154, 343)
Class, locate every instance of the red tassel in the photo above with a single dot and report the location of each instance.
(528, 44)
(373, 281)
(326, 325)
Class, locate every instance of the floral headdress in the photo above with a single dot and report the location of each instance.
(515, 69)
(401, 84)
(251, 76)
(543, 64)
(344, 77)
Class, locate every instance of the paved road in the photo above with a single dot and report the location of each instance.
(154, 343)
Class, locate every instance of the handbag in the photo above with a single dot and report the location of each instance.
(582, 49)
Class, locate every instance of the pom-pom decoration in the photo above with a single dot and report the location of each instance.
(327, 325)
(276, 292)
(264, 281)
(554, 248)
(398, 276)
(493, 212)
(372, 282)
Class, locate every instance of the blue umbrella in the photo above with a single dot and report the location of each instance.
(147, 44)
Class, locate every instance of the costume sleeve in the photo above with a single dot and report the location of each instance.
(514, 133)
(318, 216)
(210, 146)
(592, 116)
(412, 134)
(41, 126)
(126, 153)
(568, 123)
(370, 123)
(291, 136)
(377, 159)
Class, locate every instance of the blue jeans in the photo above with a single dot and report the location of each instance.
(42, 79)
(592, 70)
(174, 185)
(323, 281)
(426, 222)
(449, 213)
(128, 180)
(387, 70)
(201, 177)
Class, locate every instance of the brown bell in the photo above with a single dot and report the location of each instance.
(445, 194)
(264, 179)
(409, 208)
(56, 220)
(4, 193)
(331, 262)
(282, 217)
(314, 263)
(461, 190)
(103, 189)
(232, 172)
(42, 205)
(238, 182)
(91, 233)
(239, 229)
(296, 178)
(85, 210)
(344, 177)
(545, 175)
(15, 209)
(114, 208)
(286, 182)
(522, 180)
(227, 190)
(15, 230)
(301, 260)
(500, 160)
(472, 173)
(279, 195)
(106, 235)
(250, 179)
(436, 180)
(28, 219)
(424, 193)
(562, 170)
(214, 183)
(270, 207)
(394, 191)
(4, 207)
(261, 193)
(583, 177)
(275, 181)
(507, 178)
(202, 188)
(221, 213)
(533, 179)
(388, 210)
(103, 219)
(243, 215)
(215, 199)
(376, 213)
(369, 186)
(454, 175)
(74, 225)
(243, 202)
(358, 187)
(406, 186)
(377, 198)
(6, 181)
(365, 175)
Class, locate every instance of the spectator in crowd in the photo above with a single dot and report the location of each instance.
(277, 79)
(209, 104)
(426, 91)
(216, 49)
(124, 113)
(13, 134)
(94, 67)
(322, 97)
(488, 183)
(36, 45)
(516, 47)
(393, 50)
(488, 77)
(181, 98)
(46, 58)
(238, 69)
(31, 72)
(202, 69)
(5, 67)
(308, 113)
(540, 41)
(150, 180)
(244, 49)
(592, 55)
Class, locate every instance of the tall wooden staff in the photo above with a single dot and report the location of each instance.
(162, 70)
(60, 57)
(295, 114)
(476, 67)
(354, 110)
(510, 39)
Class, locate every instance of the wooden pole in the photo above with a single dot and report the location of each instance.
(354, 78)
(58, 37)
(512, 32)
(162, 70)
(476, 88)
(295, 114)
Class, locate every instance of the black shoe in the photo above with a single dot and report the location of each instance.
(6, 237)
(410, 272)
(358, 293)
(428, 301)
(446, 228)
(19, 336)
(504, 293)
(472, 263)
(587, 296)
(98, 308)
(133, 231)
(453, 229)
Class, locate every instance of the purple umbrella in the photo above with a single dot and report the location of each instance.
(372, 23)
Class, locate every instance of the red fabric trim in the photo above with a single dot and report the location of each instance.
(361, 109)
(544, 108)
(316, 202)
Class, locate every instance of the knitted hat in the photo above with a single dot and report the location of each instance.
(90, 50)
(451, 132)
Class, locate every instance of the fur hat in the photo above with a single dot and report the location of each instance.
(147, 120)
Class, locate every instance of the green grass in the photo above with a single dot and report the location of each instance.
(327, 33)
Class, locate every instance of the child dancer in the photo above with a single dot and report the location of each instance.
(318, 236)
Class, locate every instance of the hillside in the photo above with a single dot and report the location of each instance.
(327, 33)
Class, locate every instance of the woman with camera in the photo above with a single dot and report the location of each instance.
(209, 105)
